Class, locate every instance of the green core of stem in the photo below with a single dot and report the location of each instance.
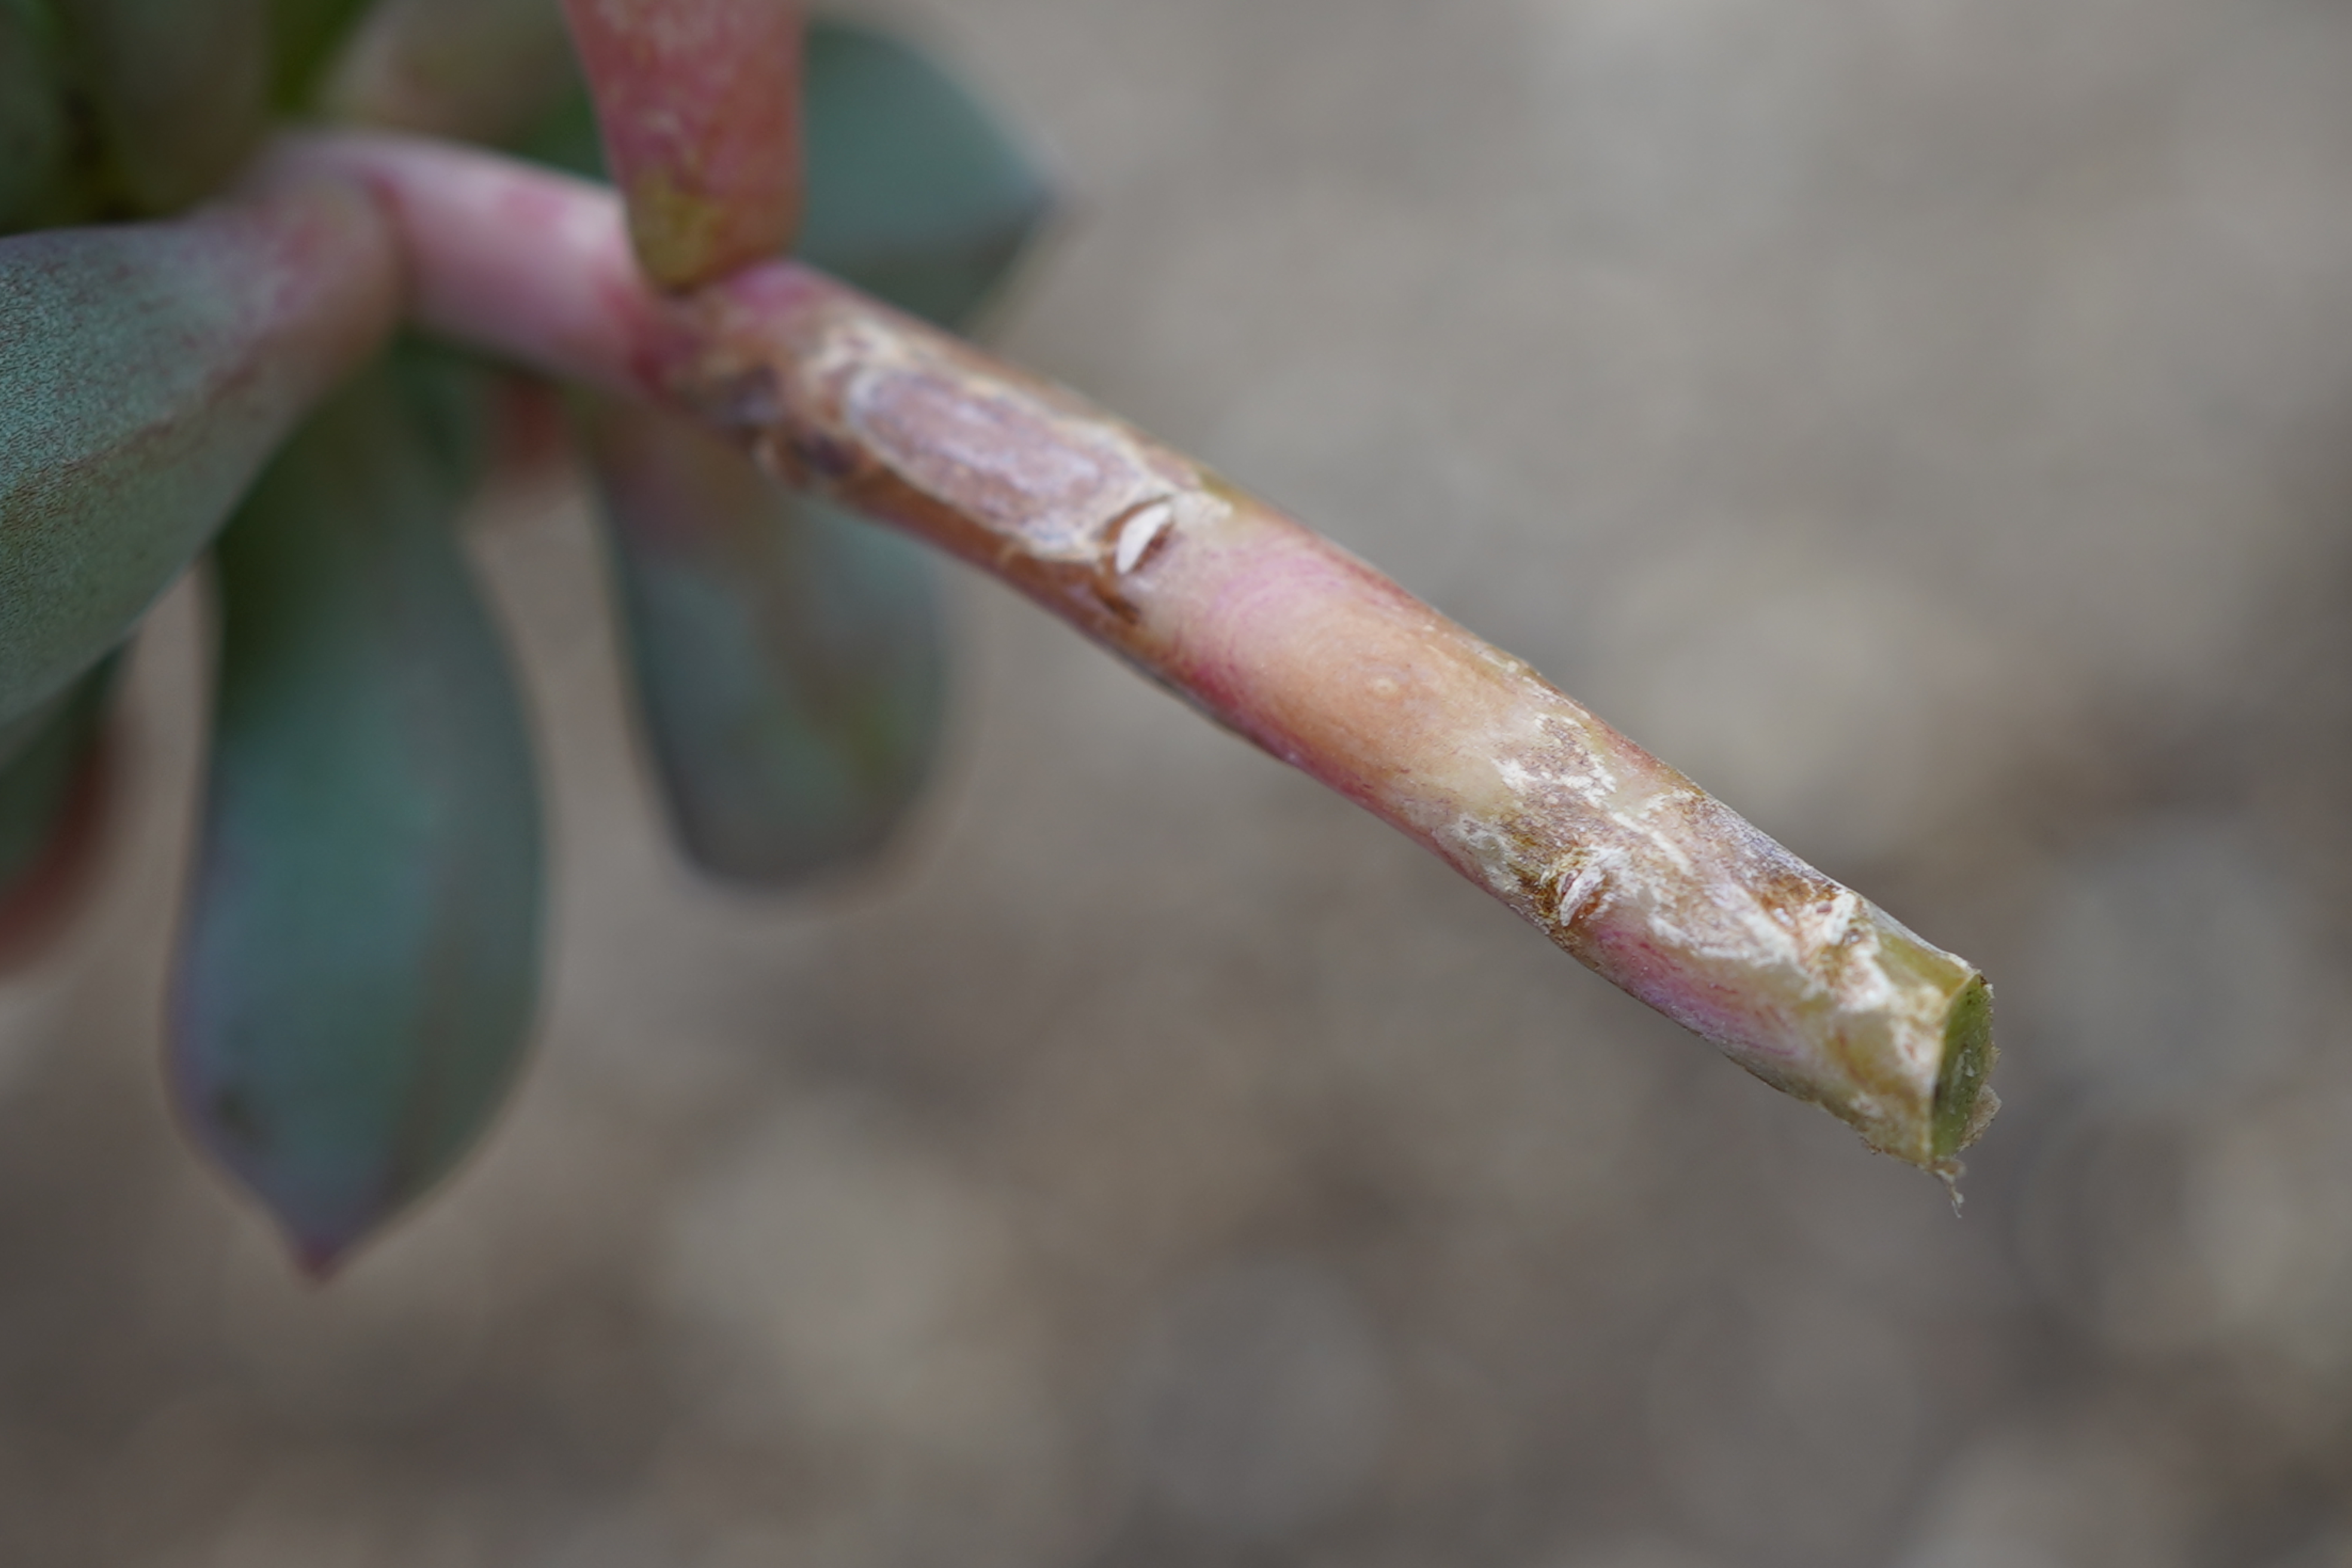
(1968, 1058)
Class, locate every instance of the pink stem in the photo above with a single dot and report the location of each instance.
(1268, 627)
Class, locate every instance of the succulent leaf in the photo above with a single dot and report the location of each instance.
(180, 89)
(306, 36)
(360, 959)
(788, 657)
(150, 369)
(698, 102)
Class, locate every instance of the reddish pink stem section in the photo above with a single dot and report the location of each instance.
(699, 105)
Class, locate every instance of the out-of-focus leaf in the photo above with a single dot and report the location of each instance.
(180, 88)
(479, 70)
(35, 132)
(787, 657)
(148, 370)
(916, 194)
(359, 958)
(699, 103)
(51, 800)
(305, 35)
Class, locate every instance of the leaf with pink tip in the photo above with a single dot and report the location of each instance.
(148, 371)
(360, 956)
(699, 105)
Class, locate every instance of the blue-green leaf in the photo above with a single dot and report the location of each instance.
(787, 657)
(358, 967)
(146, 371)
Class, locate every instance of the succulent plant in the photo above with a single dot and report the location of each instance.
(210, 332)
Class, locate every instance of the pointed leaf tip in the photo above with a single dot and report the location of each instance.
(359, 960)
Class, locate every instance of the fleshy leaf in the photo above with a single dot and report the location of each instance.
(150, 369)
(482, 71)
(358, 967)
(916, 193)
(36, 133)
(51, 802)
(180, 89)
(698, 102)
(787, 656)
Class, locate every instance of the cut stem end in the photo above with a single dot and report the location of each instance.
(1965, 1103)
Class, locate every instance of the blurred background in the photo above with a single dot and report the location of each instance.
(1926, 421)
